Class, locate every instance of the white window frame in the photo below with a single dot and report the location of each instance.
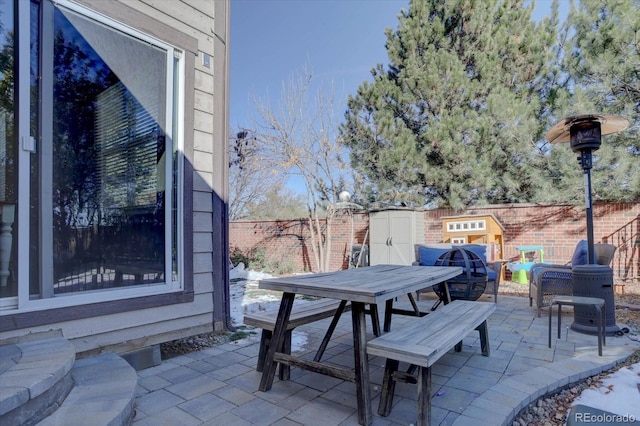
(467, 226)
(174, 116)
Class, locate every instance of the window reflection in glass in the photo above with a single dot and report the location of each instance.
(108, 157)
(35, 74)
(8, 159)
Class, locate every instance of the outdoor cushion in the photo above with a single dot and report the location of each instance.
(580, 257)
(581, 254)
(429, 255)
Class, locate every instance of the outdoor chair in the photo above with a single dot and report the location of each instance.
(428, 254)
(548, 280)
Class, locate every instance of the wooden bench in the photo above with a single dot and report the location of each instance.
(421, 343)
(302, 313)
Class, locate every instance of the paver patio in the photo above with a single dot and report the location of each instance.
(219, 385)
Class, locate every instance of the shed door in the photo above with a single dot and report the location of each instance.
(401, 238)
(379, 229)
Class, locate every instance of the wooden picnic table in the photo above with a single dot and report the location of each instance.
(371, 285)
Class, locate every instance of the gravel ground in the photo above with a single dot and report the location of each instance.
(547, 411)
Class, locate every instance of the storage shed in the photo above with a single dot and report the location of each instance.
(475, 229)
(394, 233)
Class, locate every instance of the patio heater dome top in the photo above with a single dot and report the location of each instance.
(561, 132)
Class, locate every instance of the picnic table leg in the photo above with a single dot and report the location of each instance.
(444, 290)
(387, 315)
(265, 338)
(375, 318)
(329, 333)
(388, 387)
(277, 340)
(284, 372)
(424, 396)
(414, 305)
(363, 392)
(445, 296)
(483, 329)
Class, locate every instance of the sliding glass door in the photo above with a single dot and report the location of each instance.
(90, 183)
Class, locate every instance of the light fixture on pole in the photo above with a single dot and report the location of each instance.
(585, 132)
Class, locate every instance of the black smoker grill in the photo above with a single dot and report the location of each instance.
(471, 283)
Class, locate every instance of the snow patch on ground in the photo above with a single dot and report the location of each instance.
(246, 297)
(240, 272)
(619, 393)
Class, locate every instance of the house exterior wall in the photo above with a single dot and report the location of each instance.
(556, 227)
(202, 27)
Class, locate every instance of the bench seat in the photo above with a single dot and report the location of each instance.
(421, 343)
(301, 314)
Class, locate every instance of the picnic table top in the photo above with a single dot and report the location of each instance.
(371, 284)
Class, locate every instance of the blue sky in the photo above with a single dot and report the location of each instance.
(339, 40)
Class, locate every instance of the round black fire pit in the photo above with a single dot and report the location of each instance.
(472, 282)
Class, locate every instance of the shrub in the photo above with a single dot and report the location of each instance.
(258, 260)
(236, 256)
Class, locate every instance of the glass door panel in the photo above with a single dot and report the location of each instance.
(108, 147)
(88, 166)
(8, 152)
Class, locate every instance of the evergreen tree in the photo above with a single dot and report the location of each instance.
(455, 119)
(602, 62)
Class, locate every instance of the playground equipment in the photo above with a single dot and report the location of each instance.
(476, 229)
(519, 270)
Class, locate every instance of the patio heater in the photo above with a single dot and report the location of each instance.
(584, 132)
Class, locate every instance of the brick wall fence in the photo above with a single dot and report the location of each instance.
(289, 242)
(556, 227)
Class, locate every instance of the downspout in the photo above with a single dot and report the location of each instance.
(220, 274)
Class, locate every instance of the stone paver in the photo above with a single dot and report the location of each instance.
(219, 385)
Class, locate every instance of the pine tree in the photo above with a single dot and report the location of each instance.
(602, 62)
(455, 118)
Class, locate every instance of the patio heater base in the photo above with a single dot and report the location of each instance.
(594, 281)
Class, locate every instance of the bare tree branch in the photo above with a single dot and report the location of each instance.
(299, 138)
